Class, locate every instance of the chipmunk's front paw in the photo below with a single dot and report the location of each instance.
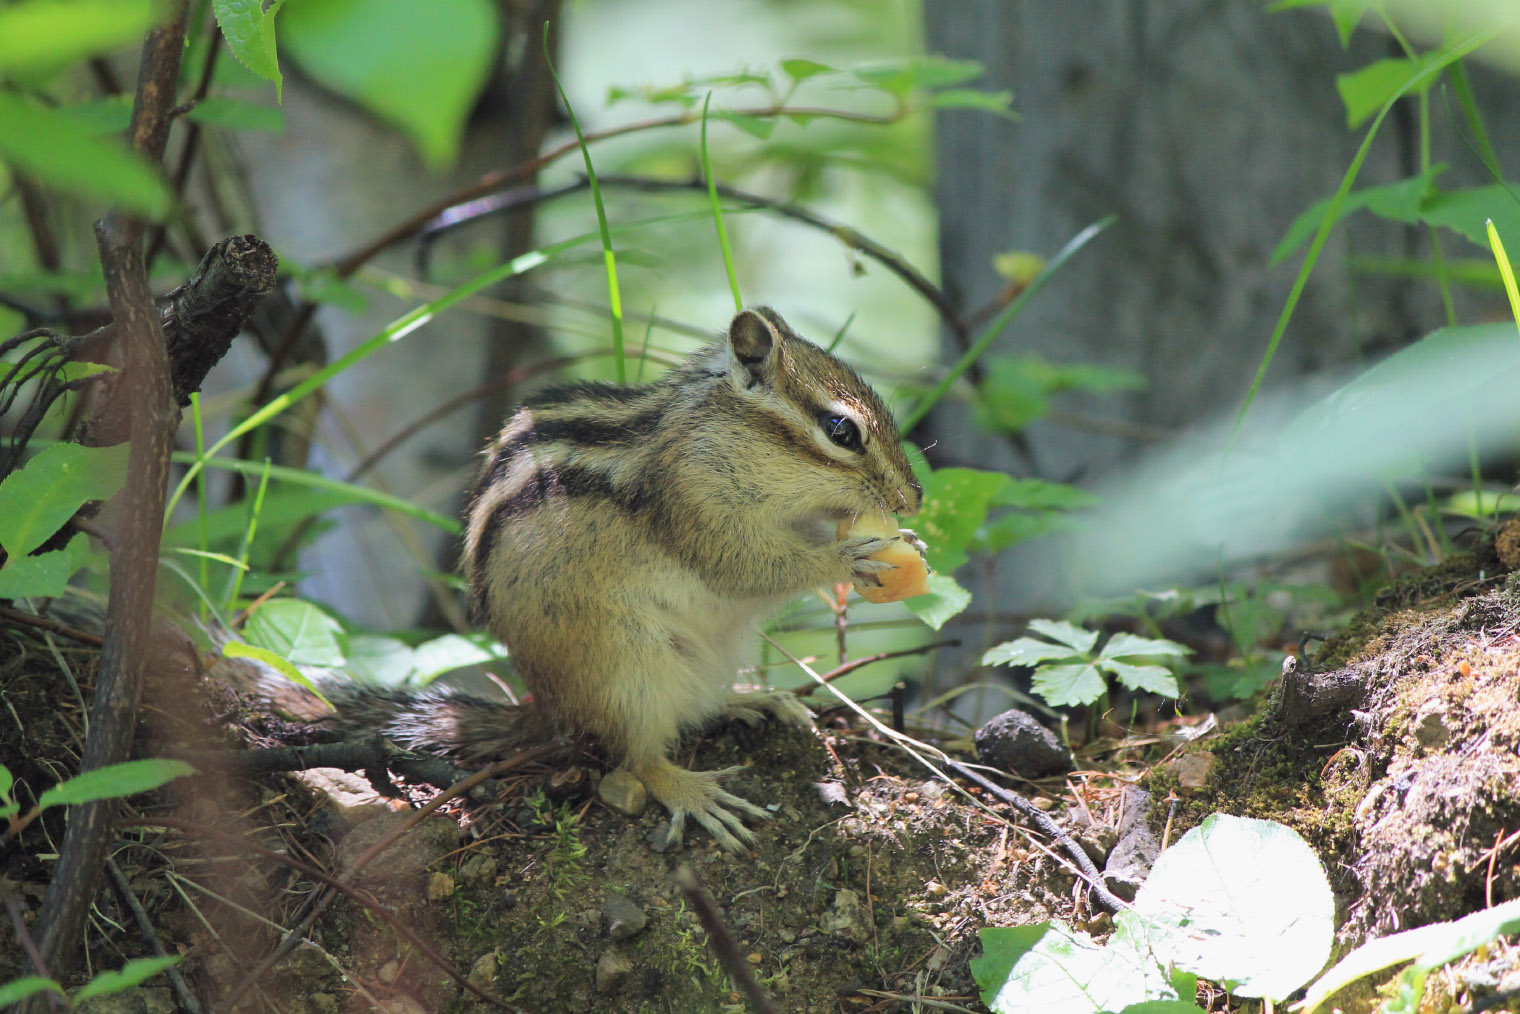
(858, 550)
(759, 705)
(697, 794)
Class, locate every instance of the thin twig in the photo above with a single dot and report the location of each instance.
(722, 940)
(187, 1000)
(51, 625)
(849, 667)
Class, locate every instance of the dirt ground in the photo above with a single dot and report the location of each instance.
(1392, 749)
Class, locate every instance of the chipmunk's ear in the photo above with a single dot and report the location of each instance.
(754, 345)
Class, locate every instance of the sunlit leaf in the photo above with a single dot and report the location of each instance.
(38, 498)
(115, 780)
(249, 29)
(134, 972)
(45, 144)
(946, 598)
(800, 70)
(41, 35)
(299, 632)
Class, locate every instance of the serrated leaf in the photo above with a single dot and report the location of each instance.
(30, 985)
(754, 126)
(454, 651)
(115, 781)
(237, 114)
(1064, 685)
(1026, 651)
(799, 70)
(298, 632)
(40, 36)
(237, 649)
(1155, 679)
(44, 575)
(1124, 644)
(970, 98)
(1077, 638)
(250, 33)
(1243, 902)
(37, 499)
(44, 143)
(956, 501)
(946, 598)
(134, 972)
(420, 66)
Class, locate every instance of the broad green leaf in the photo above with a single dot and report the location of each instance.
(1026, 651)
(1364, 91)
(754, 126)
(250, 33)
(115, 780)
(1155, 679)
(38, 498)
(1019, 526)
(800, 70)
(1347, 14)
(19, 989)
(136, 971)
(1049, 967)
(41, 35)
(44, 143)
(1428, 946)
(946, 598)
(237, 114)
(7, 782)
(43, 575)
(1077, 638)
(920, 73)
(1468, 210)
(969, 98)
(1163, 1007)
(237, 649)
(956, 501)
(1123, 645)
(455, 651)
(1400, 202)
(110, 115)
(1063, 685)
(298, 632)
(1243, 902)
(1038, 494)
(420, 66)
(376, 659)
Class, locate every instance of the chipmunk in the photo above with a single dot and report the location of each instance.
(625, 543)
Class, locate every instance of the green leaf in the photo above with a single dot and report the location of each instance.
(1040, 495)
(1077, 638)
(956, 501)
(40, 35)
(376, 659)
(1400, 202)
(37, 499)
(455, 651)
(1155, 679)
(1215, 905)
(946, 598)
(250, 33)
(1062, 685)
(1467, 211)
(237, 114)
(136, 971)
(280, 512)
(1364, 91)
(1049, 967)
(1123, 645)
(298, 632)
(44, 143)
(754, 126)
(19, 989)
(1428, 946)
(921, 72)
(115, 780)
(110, 115)
(1026, 651)
(799, 70)
(1347, 14)
(969, 98)
(237, 649)
(46, 574)
(1163, 1007)
(420, 66)
(7, 782)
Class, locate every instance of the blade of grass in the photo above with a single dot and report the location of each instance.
(839, 335)
(235, 579)
(200, 496)
(717, 211)
(1332, 215)
(614, 300)
(1506, 271)
(991, 331)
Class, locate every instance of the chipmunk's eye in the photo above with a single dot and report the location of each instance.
(843, 431)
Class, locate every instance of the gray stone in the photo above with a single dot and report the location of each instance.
(623, 917)
(623, 793)
(612, 970)
(1016, 742)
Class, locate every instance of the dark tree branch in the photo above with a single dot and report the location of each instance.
(143, 384)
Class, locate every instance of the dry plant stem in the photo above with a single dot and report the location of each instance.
(320, 902)
(187, 999)
(23, 937)
(53, 626)
(722, 940)
(144, 385)
(849, 667)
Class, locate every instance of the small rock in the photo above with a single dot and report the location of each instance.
(612, 970)
(832, 793)
(1016, 742)
(483, 972)
(623, 917)
(842, 916)
(1430, 726)
(440, 886)
(389, 971)
(1193, 770)
(754, 957)
(1130, 861)
(937, 889)
(479, 871)
(623, 793)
